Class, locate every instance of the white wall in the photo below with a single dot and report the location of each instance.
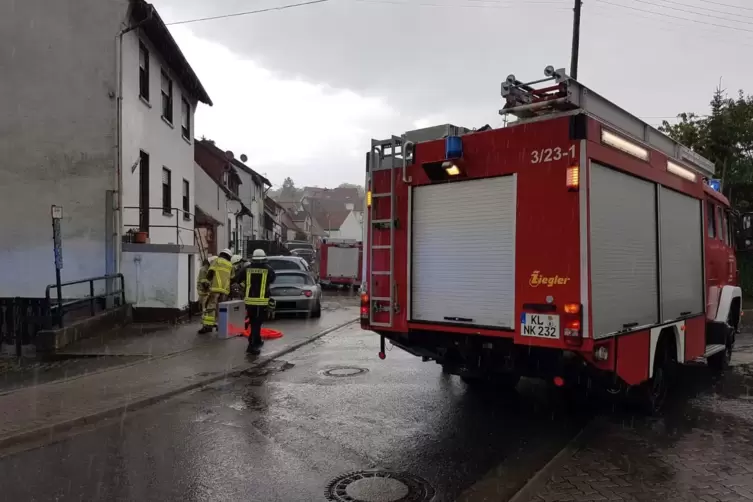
(145, 129)
(213, 201)
(57, 143)
(153, 279)
(157, 280)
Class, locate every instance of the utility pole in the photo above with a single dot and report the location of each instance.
(576, 40)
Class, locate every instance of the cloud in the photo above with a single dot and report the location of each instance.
(312, 132)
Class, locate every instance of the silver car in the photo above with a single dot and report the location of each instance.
(296, 292)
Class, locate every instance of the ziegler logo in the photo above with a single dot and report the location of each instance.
(537, 280)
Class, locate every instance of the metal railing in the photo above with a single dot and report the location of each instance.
(62, 306)
(176, 212)
(21, 319)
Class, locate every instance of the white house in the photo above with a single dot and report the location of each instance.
(102, 125)
(251, 192)
(351, 227)
(211, 208)
(160, 92)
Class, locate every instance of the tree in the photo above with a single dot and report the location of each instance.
(289, 192)
(352, 185)
(725, 137)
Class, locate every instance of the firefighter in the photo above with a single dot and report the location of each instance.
(202, 283)
(219, 276)
(258, 277)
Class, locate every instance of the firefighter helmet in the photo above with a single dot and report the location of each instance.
(227, 253)
(259, 255)
(235, 259)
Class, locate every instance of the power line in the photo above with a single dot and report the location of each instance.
(669, 25)
(692, 12)
(462, 6)
(706, 9)
(736, 28)
(245, 13)
(727, 5)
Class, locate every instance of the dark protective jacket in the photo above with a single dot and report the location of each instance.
(257, 279)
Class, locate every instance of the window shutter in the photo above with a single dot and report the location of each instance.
(165, 177)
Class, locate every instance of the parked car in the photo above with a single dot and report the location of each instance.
(279, 263)
(296, 292)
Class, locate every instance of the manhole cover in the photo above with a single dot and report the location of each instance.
(379, 486)
(345, 371)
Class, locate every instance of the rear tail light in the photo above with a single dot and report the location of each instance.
(573, 332)
(572, 308)
(364, 307)
(307, 294)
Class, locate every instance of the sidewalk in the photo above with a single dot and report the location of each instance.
(33, 412)
(700, 450)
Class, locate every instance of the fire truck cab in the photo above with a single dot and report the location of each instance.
(576, 242)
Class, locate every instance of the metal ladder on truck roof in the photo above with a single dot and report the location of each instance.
(381, 151)
(563, 95)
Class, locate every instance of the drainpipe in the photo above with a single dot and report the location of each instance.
(119, 138)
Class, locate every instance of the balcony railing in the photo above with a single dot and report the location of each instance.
(138, 235)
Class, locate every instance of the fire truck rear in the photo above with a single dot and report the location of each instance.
(340, 262)
(576, 242)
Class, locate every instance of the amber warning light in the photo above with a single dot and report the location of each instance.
(573, 182)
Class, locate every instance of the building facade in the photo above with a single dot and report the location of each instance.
(109, 136)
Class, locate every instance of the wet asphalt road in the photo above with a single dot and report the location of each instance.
(283, 432)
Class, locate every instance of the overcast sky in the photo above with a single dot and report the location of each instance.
(303, 90)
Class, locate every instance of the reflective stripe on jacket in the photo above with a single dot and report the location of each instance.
(221, 278)
(257, 288)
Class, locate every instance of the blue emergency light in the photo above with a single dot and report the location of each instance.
(453, 147)
(716, 185)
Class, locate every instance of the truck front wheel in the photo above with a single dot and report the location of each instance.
(720, 361)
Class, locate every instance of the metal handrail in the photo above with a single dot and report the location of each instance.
(187, 216)
(61, 306)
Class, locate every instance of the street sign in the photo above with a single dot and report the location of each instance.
(57, 212)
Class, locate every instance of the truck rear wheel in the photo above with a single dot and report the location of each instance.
(652, 395)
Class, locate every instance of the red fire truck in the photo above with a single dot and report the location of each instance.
(340, 262)
(576, 242)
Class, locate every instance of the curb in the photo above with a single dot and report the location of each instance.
(66, 425)
(539, 480)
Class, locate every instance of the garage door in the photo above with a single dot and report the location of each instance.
(463, 252)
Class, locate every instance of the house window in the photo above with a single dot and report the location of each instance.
(167, 97)
(143, 71)
(143, 191)
(186, 200)
(167, 202)
(185, 118)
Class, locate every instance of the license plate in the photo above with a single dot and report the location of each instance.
(540, 325)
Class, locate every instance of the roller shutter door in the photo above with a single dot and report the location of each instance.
(681, 254)
(463, 252)
(624, 290)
